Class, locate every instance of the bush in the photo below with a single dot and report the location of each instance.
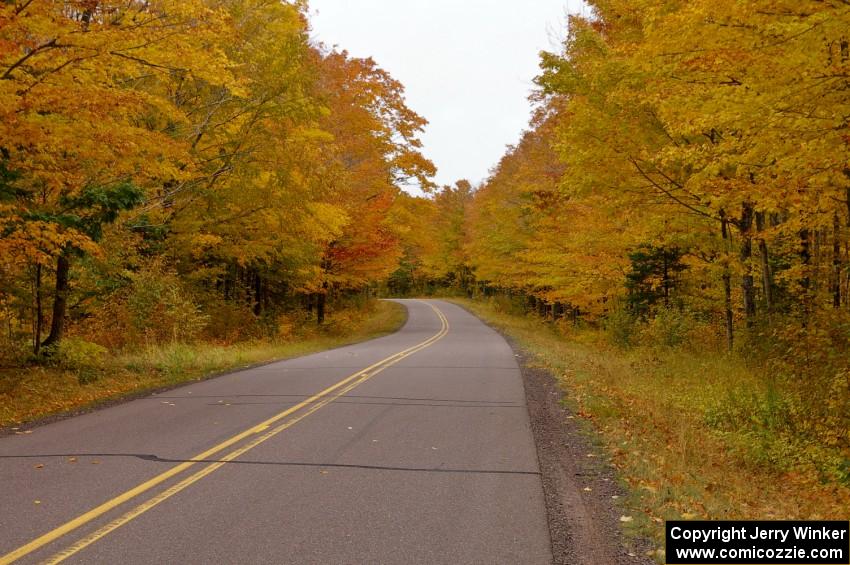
(231, 321)
(621, 327)
(343, 322)
(811, 364)
(160, 310)
(782, 426)
(669, 327)
(291, 325)
(507, 304)
(76, 353)
(768, 411)
(84, 358)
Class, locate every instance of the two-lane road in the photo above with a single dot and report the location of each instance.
(412, 448)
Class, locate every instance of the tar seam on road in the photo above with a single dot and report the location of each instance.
(315, 402)
(158, 459)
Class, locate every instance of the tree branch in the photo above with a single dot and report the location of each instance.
(669, 193)
(52, 44)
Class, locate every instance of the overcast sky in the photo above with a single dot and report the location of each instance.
(467, 65)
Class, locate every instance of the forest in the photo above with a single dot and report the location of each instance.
(678, 212)
(174, 170)
(684, 183)
(200, 171)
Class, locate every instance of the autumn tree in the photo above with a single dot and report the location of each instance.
(209, 141)
(81, 132)
(375, 151)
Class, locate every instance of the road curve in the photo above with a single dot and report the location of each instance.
(411, 448)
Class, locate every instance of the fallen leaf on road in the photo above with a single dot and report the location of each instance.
(587, 489)
(40, 466)
(72, 460)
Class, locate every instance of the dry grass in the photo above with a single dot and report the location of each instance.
(651, 409)
(31, 393)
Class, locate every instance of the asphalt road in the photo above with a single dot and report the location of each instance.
(427, 457)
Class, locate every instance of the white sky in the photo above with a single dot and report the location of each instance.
(467, 66)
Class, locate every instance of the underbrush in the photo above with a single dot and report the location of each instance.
(695, 433)
(82, 374)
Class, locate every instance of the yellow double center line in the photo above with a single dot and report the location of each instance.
(266, 431)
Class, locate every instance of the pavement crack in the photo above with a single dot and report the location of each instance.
(158, 459)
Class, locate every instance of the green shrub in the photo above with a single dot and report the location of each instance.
(759, 411)
(75, 352)
(669, 327)
(621, 327)
(231, 321)
(510, 303)
(84, 358)
(160, 310)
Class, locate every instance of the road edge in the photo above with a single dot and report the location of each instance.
(584, 525)
(16, 429)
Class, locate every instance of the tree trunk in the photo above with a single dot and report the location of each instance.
(846, 243)
(747, 285)
(60, 301)
(258, 294)
(320, 308)
(558, 311)
(836, 262)
(727, 295)
(816, 261)
(805, 280)
(766, 275)
(532, 303)
(39, 313)
(229, 282)
(727, 288)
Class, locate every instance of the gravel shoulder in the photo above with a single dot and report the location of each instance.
(579, 483)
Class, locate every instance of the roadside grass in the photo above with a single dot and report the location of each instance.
(652, 409)
(31, 393)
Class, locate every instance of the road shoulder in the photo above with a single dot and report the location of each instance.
(120, 384)
(580, 485)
